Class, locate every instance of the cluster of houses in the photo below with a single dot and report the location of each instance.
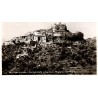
(54, 34)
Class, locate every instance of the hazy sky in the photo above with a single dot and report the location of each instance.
(16, 29)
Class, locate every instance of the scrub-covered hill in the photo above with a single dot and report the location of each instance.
(70, 54)
(76, 58)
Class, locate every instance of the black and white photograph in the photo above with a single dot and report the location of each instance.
(49, 48)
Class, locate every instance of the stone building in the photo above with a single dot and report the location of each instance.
(55, 34)
(39, 35)
(59, 32)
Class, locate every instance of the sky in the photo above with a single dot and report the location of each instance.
(16, 29)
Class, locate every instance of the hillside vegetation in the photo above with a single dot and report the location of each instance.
(70, 54)
(69, 57)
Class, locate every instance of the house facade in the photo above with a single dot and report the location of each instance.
(54, 34)
(39, 36)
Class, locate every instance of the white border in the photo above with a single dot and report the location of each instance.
(48, 11)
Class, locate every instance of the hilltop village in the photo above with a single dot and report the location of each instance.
(55, 34)
(50, 51)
